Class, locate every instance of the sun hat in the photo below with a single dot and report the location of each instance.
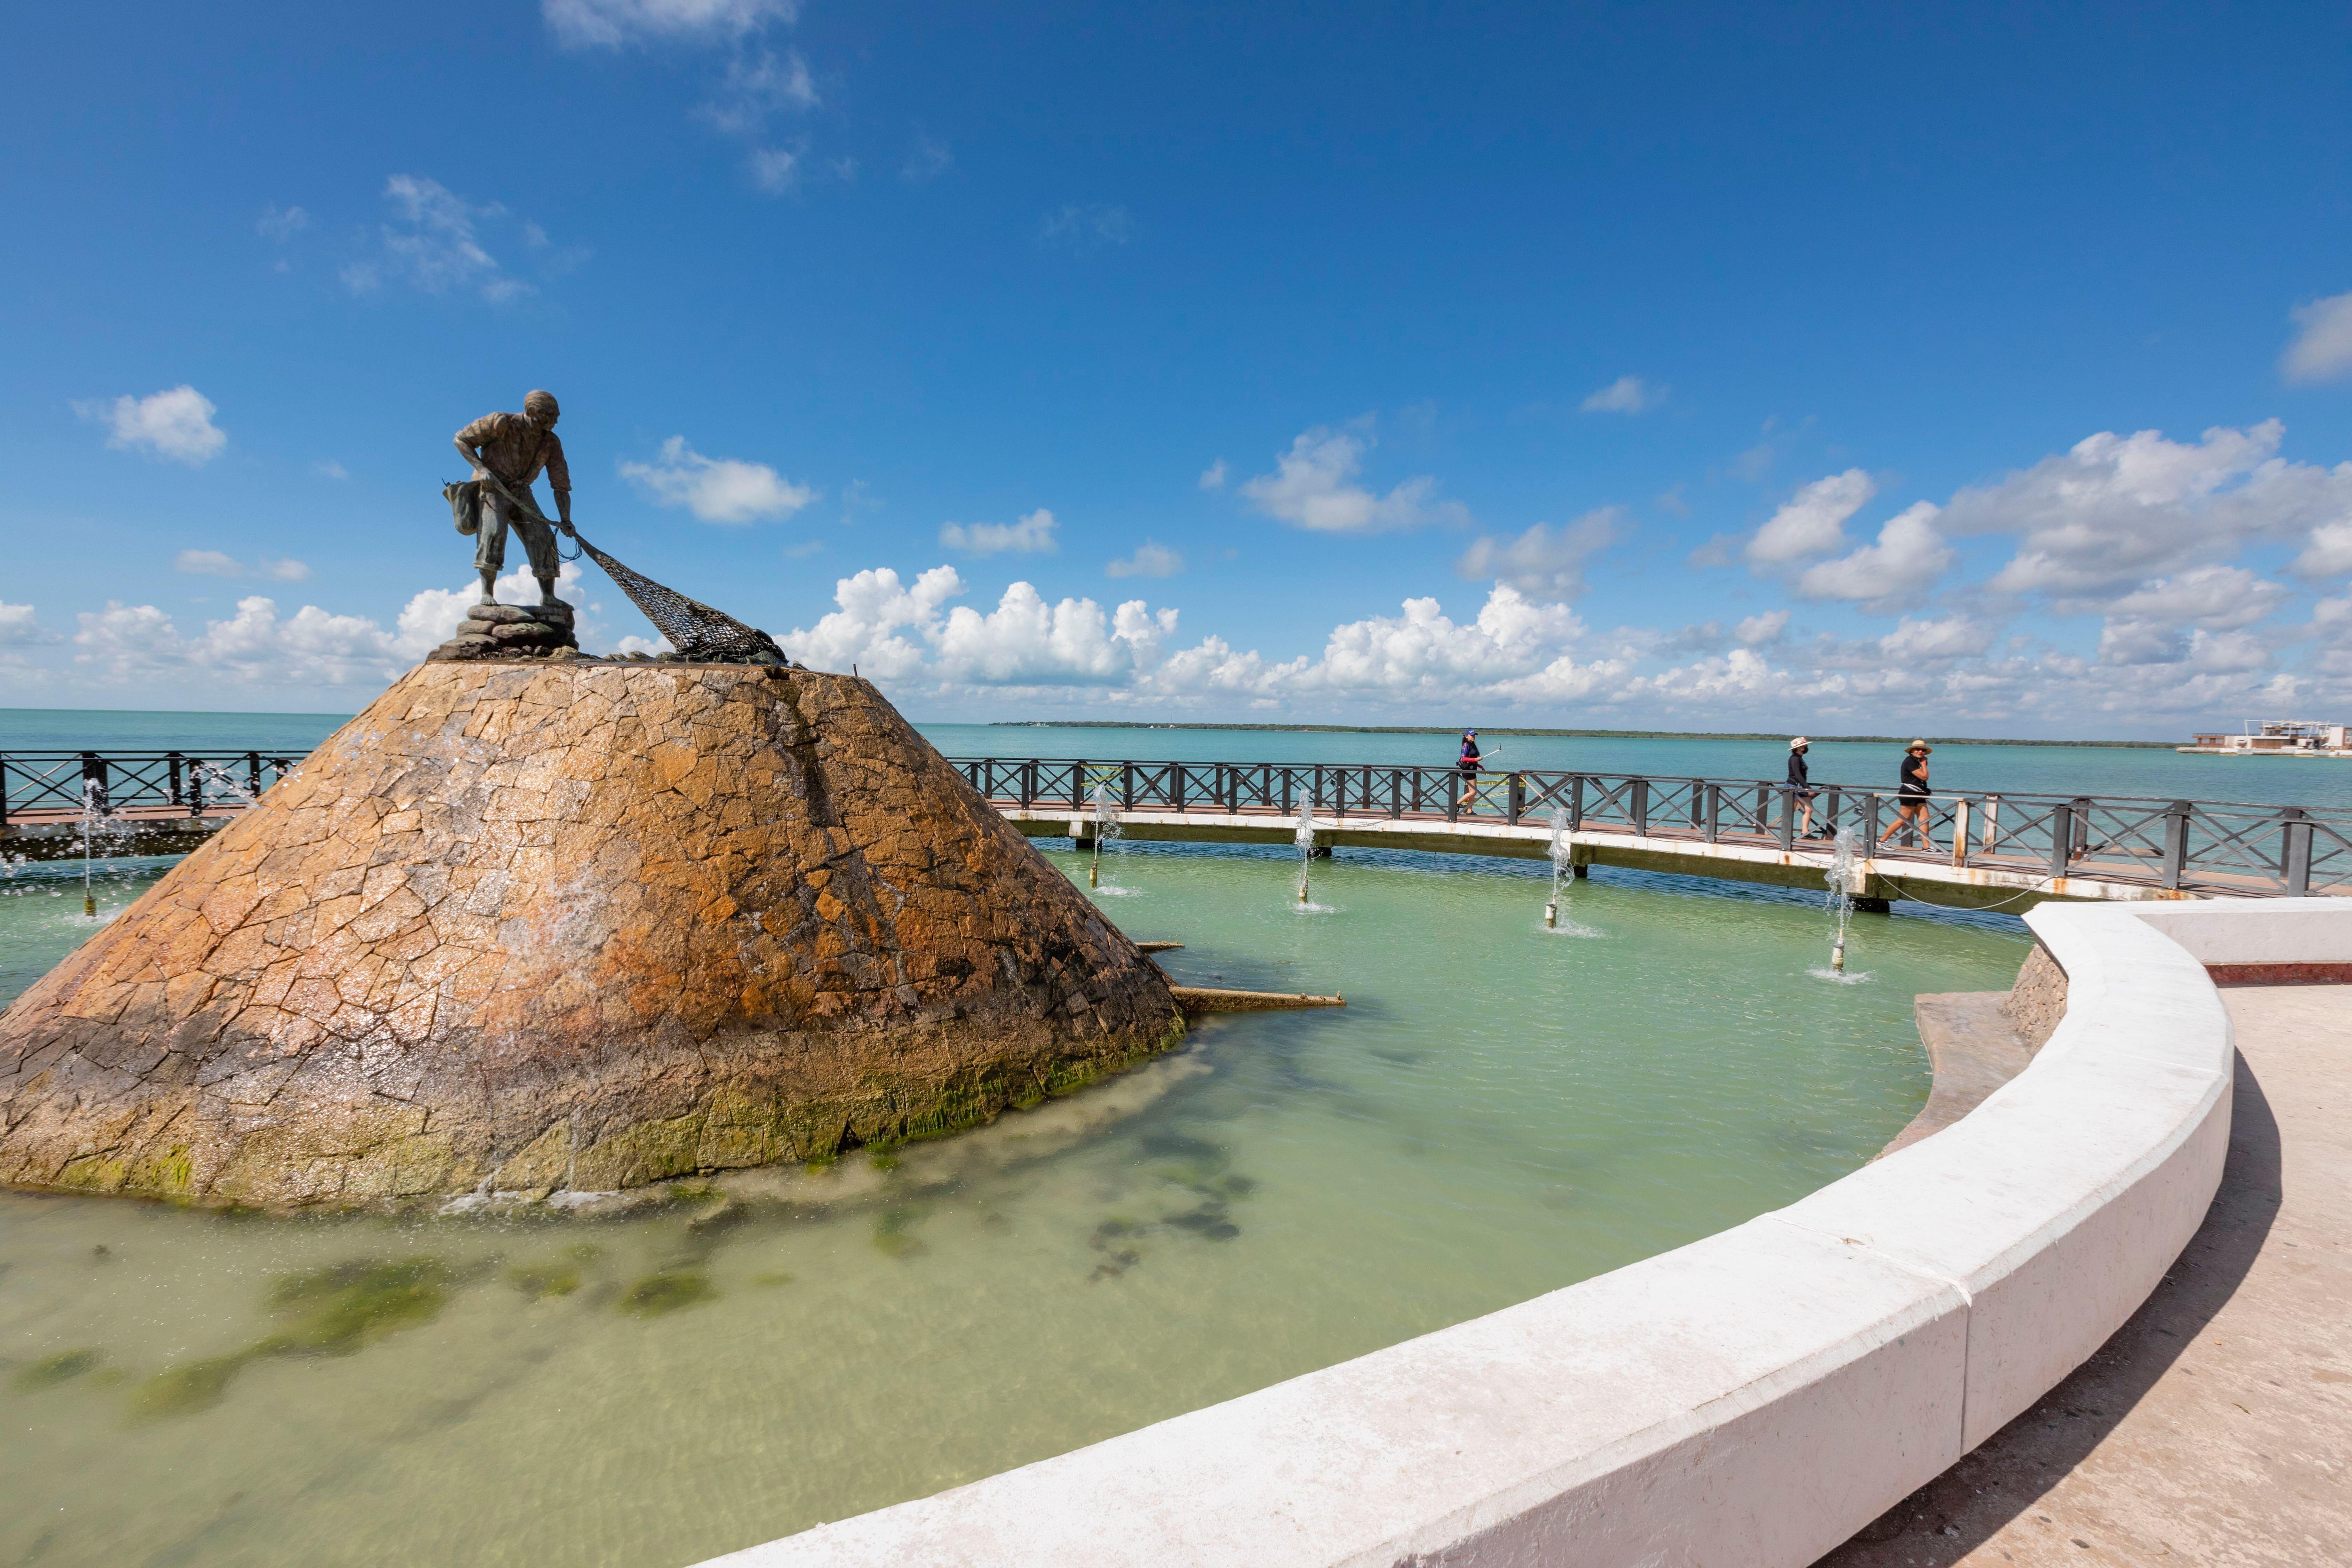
(1800, 740)
(1918, 746)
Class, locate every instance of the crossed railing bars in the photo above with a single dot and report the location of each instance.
(2215, 846)
(44, 786)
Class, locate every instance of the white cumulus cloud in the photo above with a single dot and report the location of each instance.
(1312, 487)
(20, 628)
(1033, 535)
(1812, 521)
(175, 424)
(2321, 351)
(1905, 561)
(1542, 561)
(716, 490)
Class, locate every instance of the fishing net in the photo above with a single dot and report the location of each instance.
(700, 633)
(694, 629)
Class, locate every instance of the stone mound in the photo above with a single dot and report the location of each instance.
(512, 631)
(521, 926)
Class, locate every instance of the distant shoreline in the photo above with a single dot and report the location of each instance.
(1574, 734)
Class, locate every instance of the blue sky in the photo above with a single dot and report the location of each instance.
(1646, 367)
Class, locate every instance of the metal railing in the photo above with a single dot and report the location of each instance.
(2216, 847)
(47, 786)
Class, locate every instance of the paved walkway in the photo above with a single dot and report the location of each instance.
(2215, 1428)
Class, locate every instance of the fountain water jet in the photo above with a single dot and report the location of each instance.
(1563, 865)
(1305, 838)
(1106, 827)
(1840, 876)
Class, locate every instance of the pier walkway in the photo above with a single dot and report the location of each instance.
(2215, 1427)
(1982, 850)
(1989, 850)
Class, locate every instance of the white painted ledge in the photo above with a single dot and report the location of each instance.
(1750, 1399)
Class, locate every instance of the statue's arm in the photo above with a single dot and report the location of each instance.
(559, 477)
(465, 450)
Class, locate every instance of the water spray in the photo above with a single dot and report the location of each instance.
(1306, 837)
(1841, 878)
(1563, 865)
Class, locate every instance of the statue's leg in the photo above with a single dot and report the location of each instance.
(546, 564)
(490, 546)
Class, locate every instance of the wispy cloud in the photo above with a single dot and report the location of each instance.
(176, 424)
(1033, 535)
(1543, 562)
(615, 24)
(1086, 226)
(1151, 559)
(1626, 395)
(278, 227)
(716, 490)
(2321, 351)
(436, 244)
(1212, 478)
(926, 160)
(215, 563)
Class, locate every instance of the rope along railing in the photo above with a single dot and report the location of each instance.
(2219, 846)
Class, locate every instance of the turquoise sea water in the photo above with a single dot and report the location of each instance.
(1497, 1111)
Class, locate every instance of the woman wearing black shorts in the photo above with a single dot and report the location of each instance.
(1911, 795)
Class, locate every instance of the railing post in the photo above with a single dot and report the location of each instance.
(1870, 825)
(1830, 819)
(4, 793)
(1453, 797)
(1960, 832)
(1396, 793)
(174, 759)
(1315, 789)
(1787, 819)
(1127, 786)
(1176, 785)
(1078, 785)
(1640, 807)
(1575, 803)
(1028, 784)
(2295, 852)
(1714, 813)
(1516, 799)
(2175, 842)
(253, 772)
(1698, 803)
(2062, 837)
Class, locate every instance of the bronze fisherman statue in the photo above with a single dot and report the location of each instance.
(507, 452)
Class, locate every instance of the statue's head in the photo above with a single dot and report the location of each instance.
(540, 408)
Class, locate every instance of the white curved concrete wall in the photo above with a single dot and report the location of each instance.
(1753, 1398)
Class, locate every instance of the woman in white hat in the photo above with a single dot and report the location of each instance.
(1801, 789)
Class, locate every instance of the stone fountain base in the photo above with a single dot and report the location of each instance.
(528, 926)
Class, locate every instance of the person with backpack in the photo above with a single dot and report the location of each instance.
(1801, 789)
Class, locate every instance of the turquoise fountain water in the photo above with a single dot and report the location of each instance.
(1493, 1114)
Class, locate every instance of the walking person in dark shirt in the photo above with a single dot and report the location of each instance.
(1911, 795)
(1468, 765)
(1801, 789)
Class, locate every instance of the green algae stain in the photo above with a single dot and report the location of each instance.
(893, 1233)
(340, 1309)
(544, 1280)
(336, 1310)
(777, 1278)
(51, 1370)
(190, 1386)
(670, 1290)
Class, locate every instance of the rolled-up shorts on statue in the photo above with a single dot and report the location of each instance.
(499, 514)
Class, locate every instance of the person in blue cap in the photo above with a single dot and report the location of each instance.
(1469, 765)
